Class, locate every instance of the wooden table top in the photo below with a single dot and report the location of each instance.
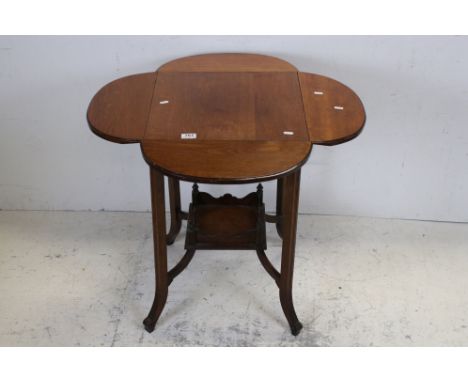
(226, 118)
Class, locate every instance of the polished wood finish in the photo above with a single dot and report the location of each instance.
(240, 98)
(119, 111)
(279, 208)
(227, 106)
(160, 249)
(228, 62)
(290, 205)
(226, 222)
(335, 116)
(226, 161)
(254, 118)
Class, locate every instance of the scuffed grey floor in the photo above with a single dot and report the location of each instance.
(80, 279)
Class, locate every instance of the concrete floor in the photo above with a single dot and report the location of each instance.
(79, 279)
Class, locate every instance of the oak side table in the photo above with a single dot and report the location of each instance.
(226, 118)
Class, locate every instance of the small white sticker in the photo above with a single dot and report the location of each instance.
(288, 132)
(318, 93)
(188, 136)
(338, 107)
(163, 102)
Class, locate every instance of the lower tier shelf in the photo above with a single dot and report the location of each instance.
(226, 222)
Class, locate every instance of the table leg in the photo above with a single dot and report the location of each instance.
(160, 250)
(279, 201)
(174, 202)
(290, 203)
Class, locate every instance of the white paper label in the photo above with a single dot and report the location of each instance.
(188, 136)
(318, 93)
(163, 102)
(288, 132)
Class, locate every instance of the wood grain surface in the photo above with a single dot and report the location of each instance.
(334, 113)
(226, 161)
(227, 106)
(251, 117)
(119, 111)
(228, 62)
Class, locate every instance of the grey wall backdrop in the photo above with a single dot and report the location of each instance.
(409, 162)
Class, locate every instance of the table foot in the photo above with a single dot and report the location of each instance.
(156, 310)
(290, 312)
(171, 236)
(149, 325)
(296, 328)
